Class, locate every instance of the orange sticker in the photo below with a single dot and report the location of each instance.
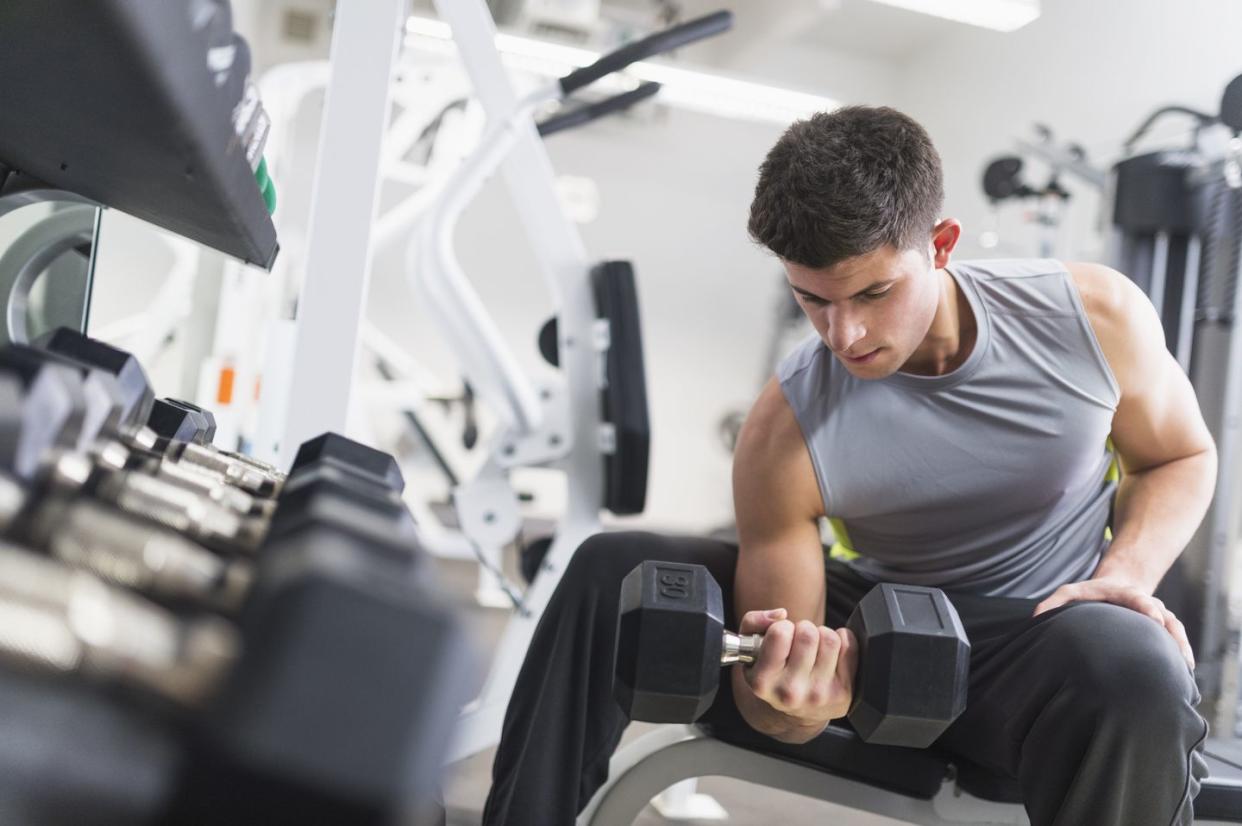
(224, 391)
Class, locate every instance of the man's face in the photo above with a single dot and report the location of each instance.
(872, 311)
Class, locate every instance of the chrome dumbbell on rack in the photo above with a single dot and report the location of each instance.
(117, 583)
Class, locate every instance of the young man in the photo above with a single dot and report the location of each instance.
(954, 420)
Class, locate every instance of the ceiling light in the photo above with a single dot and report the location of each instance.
(685, 88)
(1001, 15)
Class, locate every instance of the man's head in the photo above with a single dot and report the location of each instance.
(850, 202)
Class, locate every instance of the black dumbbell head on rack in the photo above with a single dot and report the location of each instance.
(41, 410)
(332, 449)
(349, 683)
(208, 434)
(132, 379)
(173, 422)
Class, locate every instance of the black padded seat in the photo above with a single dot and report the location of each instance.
(920, 773)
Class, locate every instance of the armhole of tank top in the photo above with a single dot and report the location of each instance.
(1085, 321)
(821, 480)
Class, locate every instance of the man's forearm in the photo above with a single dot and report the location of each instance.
(1157, 512)
(766, 720)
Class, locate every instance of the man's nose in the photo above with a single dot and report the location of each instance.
(844, 331)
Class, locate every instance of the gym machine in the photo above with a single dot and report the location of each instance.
(1003, 182)
(590, 418)
(1177, 232)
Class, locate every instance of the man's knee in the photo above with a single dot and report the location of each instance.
(1118, 659)
(606, 558)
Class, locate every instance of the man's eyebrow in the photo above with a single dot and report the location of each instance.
(864, 290)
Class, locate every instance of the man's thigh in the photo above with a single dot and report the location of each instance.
(1104, 654)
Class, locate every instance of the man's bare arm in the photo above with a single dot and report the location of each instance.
(788, 693)
(1166, 451)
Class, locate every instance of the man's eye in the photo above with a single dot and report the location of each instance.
(873, 296)
(810, 299)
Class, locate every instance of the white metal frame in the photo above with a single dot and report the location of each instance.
(513, 146)
(670, 754)
(365, 37)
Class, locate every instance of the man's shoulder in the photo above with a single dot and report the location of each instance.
(772, 456)
(1107, 295)
(1122, 317)
(1007, 269)
(771, 426)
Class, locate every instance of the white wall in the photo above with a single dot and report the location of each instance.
(1090, 70)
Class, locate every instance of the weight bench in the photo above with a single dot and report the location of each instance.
(911, 785)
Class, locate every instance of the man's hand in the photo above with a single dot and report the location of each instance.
(1120, 591)
(803, 670)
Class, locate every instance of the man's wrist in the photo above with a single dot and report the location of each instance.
(1124, 564)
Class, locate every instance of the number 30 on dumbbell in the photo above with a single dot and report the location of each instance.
(671, 642)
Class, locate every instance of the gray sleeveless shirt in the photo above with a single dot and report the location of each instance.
(992, 479)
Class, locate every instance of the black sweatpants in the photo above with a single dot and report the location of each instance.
(1090, 707)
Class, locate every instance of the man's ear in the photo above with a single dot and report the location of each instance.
(944, 238)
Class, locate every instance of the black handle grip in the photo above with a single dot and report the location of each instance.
(593, 111)
(652, 44)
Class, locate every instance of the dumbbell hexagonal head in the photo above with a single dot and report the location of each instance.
(913, 665)
(669, 641)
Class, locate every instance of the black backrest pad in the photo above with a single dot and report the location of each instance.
(624, 400)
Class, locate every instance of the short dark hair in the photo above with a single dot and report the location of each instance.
(845, 183)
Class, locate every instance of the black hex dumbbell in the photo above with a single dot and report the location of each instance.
(102, 423)
(368, 465)
(671, 643)
(341, 705)
(138, 400)
(331, 700)
(41, 421)
(174, 421)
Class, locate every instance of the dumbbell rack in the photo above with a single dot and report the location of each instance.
(158, 144)
(189, 636)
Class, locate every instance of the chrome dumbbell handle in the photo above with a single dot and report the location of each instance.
(117, 456)
(740, 648)
(55, 618)
(239, 472)
(182, 510)
(125, 551)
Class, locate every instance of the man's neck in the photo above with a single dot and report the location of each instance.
(950, 338)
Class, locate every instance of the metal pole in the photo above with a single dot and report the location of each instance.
(1190, 297)
(528, 174)
(338, 245)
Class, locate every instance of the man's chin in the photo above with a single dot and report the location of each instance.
(875, 366)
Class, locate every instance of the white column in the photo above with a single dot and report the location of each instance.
(338, 259)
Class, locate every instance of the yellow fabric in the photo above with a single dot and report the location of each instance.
(842, 548)
(1113, 474)
(1114, 467)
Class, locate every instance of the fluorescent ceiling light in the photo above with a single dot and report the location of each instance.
(685, 88)
(1001, 15)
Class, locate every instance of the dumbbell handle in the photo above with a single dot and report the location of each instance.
(740, 648)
